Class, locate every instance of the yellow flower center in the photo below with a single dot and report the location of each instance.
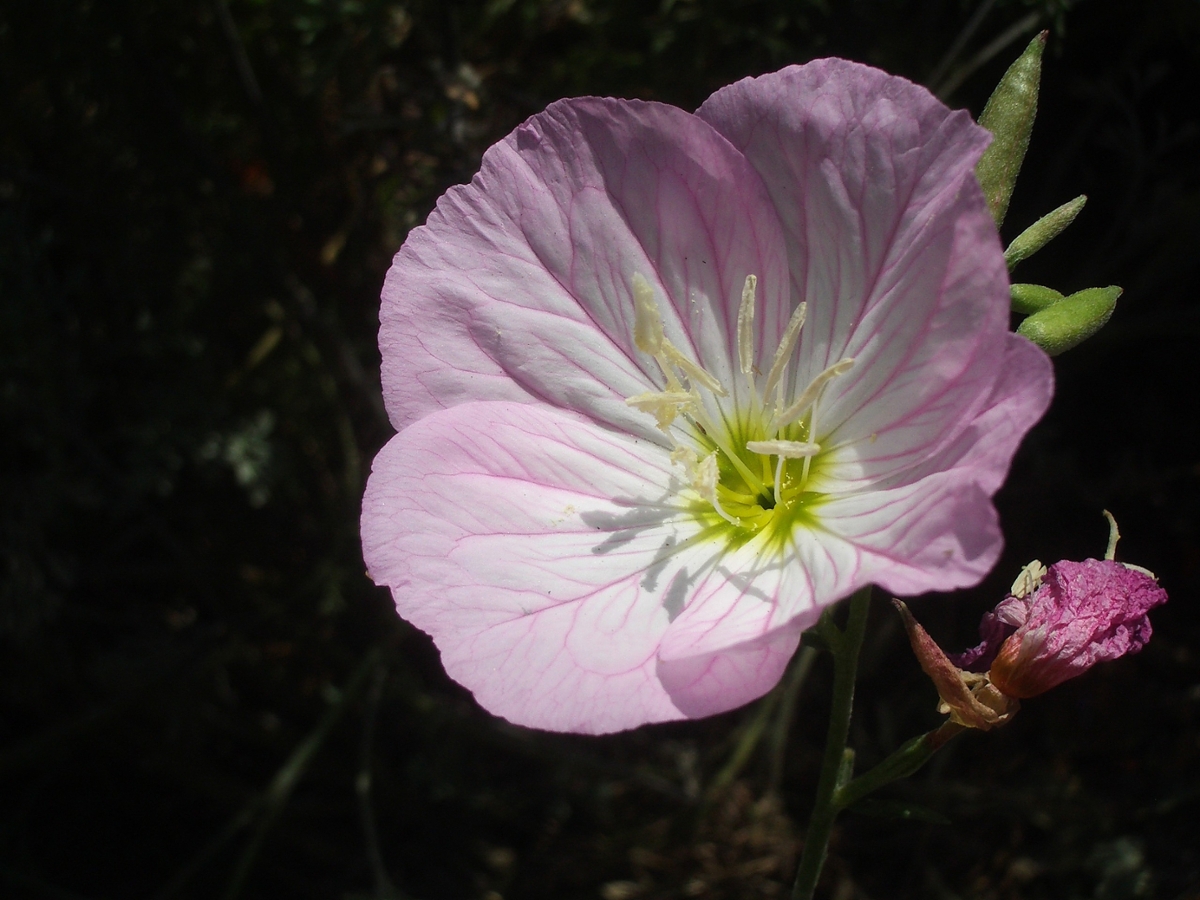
(752, 469)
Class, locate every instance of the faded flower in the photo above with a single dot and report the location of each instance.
(1055, 624)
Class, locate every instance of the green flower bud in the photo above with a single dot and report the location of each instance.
(1072, 320)
(1030, 298)
(1043, 231)
(1009, 116)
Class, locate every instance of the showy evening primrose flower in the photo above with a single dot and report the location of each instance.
(669, 384)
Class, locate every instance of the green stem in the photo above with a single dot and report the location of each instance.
(904, 762)
(845, 667)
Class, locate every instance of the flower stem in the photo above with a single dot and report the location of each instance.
(835, 767)
(904, 762)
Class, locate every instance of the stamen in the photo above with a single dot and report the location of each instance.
(779, 389)
(716, 435)
(809, 397)
(1141, 569)
(686, 457)
(1110, 554)
(647, 321)
(745, 324)
(692, 370)
(705, 484)
(643, 401)
(664, 365)
(786, 344)
(664, 405)
(1029, 580)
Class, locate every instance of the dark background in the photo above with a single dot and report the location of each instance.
(201, 695)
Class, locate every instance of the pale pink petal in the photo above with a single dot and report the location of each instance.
(753, 590)
(938, 534)
(519, 287)
(891, 244)
(712, 683)
(539, 551)
(986, 446)
(742, 622)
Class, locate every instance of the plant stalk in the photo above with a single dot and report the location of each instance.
(833, 771)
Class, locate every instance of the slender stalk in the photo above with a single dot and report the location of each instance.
(833, 768)
(904, 762)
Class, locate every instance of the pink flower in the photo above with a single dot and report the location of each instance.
(626, 478)
(1054, 624)
(1081, 614)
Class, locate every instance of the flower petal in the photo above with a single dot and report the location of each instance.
(542, 553)
(519, 287)
(753, 590)
(891, 245)
(986, 446)
(938, 534)
(966, 706)
(712, 683)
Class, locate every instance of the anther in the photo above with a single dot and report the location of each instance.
(696, 374)
(1029, 579)
(786, 344)
(647, 321)
(745, 326)
(664, 405)
(786, 449)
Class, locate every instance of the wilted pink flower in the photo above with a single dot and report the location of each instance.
(1081, 614)
(626, 478)
(1054, 624)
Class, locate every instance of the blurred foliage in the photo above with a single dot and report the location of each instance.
(200, 692)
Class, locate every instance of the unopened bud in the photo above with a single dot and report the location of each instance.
(1070, 321)
(1043, 231)
(1030, 298)
(1009, 115)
